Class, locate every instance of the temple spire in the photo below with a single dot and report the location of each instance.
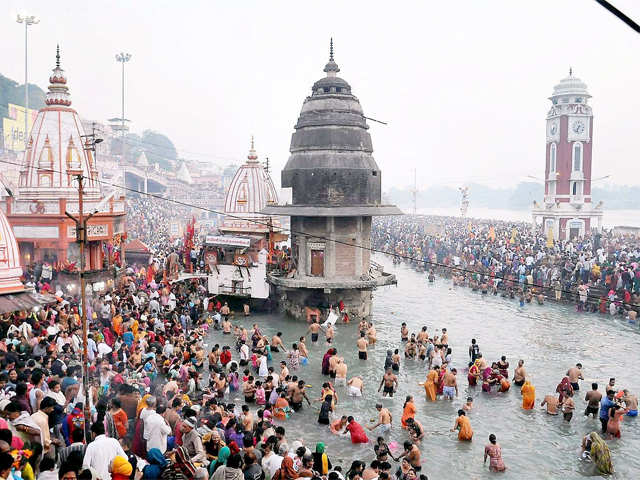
(331, 50)
(252, 157)
(58, 56)
(570, 72)
(331, 68)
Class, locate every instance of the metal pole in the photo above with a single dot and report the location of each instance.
(123, 62)
(26, 86)
(85, 353)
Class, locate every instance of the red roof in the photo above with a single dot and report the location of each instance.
(136, 245)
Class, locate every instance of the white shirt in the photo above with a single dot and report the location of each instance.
(244, 352)
(156, 430)
(100, 453)
(270, 464)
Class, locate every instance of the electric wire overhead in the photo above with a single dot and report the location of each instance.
(304, 234)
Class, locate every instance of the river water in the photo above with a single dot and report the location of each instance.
(549, 338)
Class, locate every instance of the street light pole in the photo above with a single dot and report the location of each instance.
(123, 58)
(27, 20)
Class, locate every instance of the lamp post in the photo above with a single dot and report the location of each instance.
(123, 58)
(27, 20)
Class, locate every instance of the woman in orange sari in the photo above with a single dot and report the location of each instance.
(465, 432)
(409, 411)
(528, 395)
(430, 384)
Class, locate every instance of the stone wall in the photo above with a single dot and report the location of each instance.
(293, 302)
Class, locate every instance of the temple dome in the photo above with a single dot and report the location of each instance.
(331, 162)
(251, 188)
(10, 269)
(56, 147)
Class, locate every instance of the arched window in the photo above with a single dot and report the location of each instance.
(577, 157)
(552, 157)
(575, 187)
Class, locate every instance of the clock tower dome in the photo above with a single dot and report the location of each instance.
(568, 210)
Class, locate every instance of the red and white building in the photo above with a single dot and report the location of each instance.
(568, 211)
(56, 147)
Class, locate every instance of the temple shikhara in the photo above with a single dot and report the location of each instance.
(57, 150)
(336, 189)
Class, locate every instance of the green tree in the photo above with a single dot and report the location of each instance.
(159, 149)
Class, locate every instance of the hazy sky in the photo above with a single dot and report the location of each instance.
(463, 84)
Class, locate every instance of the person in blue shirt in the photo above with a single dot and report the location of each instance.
(128, 338)
(605, 404)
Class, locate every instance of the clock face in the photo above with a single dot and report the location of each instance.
(578, 126)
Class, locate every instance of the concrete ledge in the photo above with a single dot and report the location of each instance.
(321, 283)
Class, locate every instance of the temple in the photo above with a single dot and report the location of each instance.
(57, 150)
(336, 190)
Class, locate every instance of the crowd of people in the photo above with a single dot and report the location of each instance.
(159, 403)
(600, 273)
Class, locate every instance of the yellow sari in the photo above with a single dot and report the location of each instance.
(430, 385)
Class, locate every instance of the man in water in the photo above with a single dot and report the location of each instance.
(593, 398)
(605, 405)
(329, 333)
(474, 350)
(575, 374)
(450, 384)
(552, 404)
(611, 387)
(362, 346)
(297, 395)
(404, 332)
(423, 336)
(341, 372)
(415, 428)
(356, 386)
(568, 406)
(276, 343)
(519, 374)
(314, 328)
(390, 382)
(412, 452)
(444, 340)
(384, 420)
(631, 403)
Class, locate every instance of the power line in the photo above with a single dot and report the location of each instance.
(310, 236)
(634, 26)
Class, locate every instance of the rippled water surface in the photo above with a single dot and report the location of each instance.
(549, 338)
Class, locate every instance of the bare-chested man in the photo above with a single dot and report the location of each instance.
(225, 311)
(226, 327)
(404, 332)
(519, 374)
(372, 334)
(412, 452)
(362, 346)
(390, 383)
(593, 398)
(302, 348)
(423, 336)
(450, 384)
(575, 374)
(356, 386)
(445, 338)
(363, 326)
(341, 372)
(297, 395)
(631, 403)
(552, 404)
(333, 363)
(314, 328)
(284, 371)
(329, 333)
(384, 420)
(276, 343)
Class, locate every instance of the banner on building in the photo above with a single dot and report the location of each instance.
(13, 132)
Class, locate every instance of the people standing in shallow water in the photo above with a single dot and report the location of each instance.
(409, 411)
(493, 451)
(519, 374)
(463, 425)
(528, 395)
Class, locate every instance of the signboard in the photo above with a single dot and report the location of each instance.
(227, 241)
(93, 231)
(13, 127)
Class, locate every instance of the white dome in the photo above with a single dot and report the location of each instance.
(10, 269)
(571, 86)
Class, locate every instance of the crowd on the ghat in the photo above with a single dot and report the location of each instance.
(163, 404)
(601, 273)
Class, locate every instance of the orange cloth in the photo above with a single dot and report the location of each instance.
(430, 385)
(278, 408)
(505, 385)
(466, 432)
(120, 420)
(408, 412)
(528, 395)
(117, 325)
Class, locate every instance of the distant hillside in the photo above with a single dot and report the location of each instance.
(12, 92)
(519, 197)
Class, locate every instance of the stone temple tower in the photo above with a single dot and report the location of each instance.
(336, 190)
